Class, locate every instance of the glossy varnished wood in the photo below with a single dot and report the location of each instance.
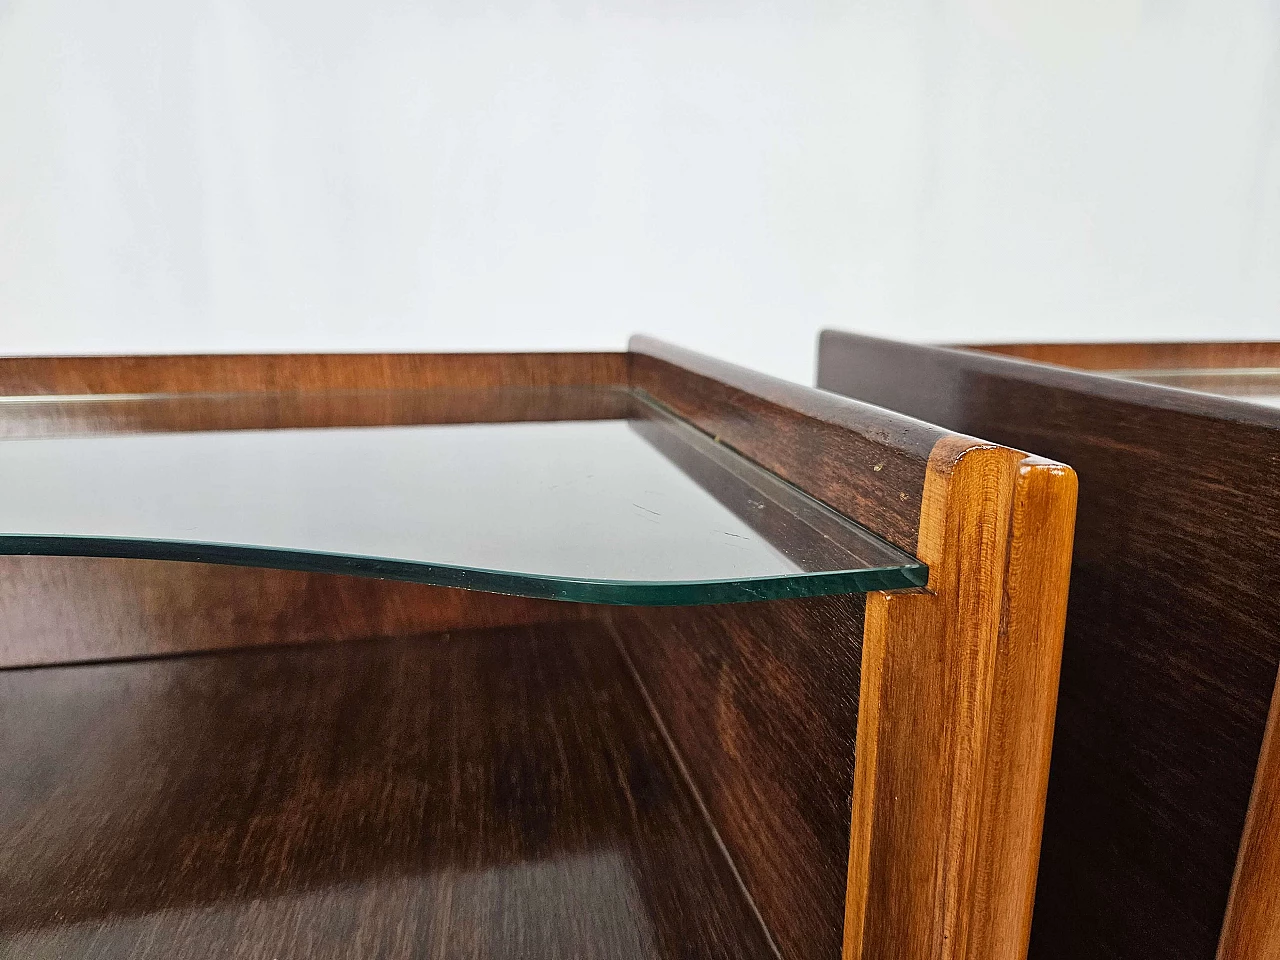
(496, 794)
(893, 846)
(865, 462)
(956, 706)
(300, 372)
(1251, 927)
(951, 694)
(1144, 356)
(952, 764)
(73, 609)
(1171, 651)
(761, 701)
(265, 410)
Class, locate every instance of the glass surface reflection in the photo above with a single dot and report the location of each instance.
(585, 494)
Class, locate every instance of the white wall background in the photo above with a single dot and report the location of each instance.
(191, 175)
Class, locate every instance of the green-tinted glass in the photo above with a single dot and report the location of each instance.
(591, 494)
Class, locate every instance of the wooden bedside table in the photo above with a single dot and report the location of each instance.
(596, 748)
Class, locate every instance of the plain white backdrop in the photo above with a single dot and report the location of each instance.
(219, 175)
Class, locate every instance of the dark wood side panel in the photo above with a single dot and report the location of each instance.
(70, 609)
(1172, 645)
(761, 701)
(228, 373)
(497, 794)
(1143, 356)
(866, 463)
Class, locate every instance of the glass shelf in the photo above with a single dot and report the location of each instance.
(588, 494)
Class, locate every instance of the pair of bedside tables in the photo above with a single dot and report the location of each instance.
(641, 655)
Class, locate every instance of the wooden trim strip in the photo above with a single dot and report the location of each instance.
(1141, 356)
(865, 462)
(1251, 928)
(958, 693)
(293, 372)
(954, 384)
(65, 416)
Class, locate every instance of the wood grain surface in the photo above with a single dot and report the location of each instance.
(1172, 648)
(71, 609)
(301, 372)
(497, 794)
(761, 702)
(957, 698)
(758, 703)
(263, 410)
(1143, 356)
(943, 715)
(867, 463)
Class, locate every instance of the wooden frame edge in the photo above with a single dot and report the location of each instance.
(295, 372)
(1097, 383)
(1251, 926)
(1140, 356)
(864, 461)
(958, 694)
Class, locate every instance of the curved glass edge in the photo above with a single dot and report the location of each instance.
(612, 592)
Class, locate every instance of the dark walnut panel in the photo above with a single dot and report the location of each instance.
(867, 463)
(498, 794)
(230, 373)
(68, 609)
(761, 701)
(1171, 650)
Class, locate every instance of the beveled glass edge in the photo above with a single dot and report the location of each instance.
(652, 593)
